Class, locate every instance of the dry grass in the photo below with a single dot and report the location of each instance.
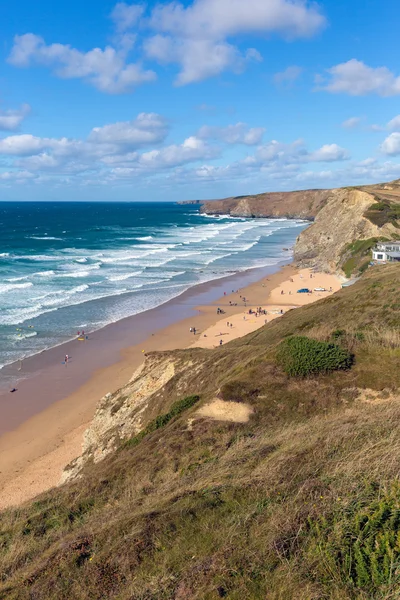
(231, 509)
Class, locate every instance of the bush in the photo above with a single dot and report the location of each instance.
(176, 409)
(361, 544)
(300, 356)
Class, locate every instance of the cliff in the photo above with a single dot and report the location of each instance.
(341, 217)
(342, 222)
(300, 204)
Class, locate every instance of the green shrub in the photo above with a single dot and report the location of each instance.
(338, 333)
(378, 206)
(300, 356)
(176, 409)
(361, 544)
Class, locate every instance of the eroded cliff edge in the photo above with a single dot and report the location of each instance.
(340, 218)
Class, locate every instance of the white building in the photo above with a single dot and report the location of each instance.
(386, 252)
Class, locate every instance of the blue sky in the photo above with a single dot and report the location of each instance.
(196, 99)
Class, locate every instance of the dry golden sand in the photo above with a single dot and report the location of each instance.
(276, 304)
(33, 456)
(220, 410)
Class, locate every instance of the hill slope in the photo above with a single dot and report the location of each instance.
(296, 496)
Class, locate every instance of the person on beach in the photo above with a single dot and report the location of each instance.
(66, 359)
(191, 329)
(220, 342)
(194, 330)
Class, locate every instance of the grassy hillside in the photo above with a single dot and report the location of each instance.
(302, 501)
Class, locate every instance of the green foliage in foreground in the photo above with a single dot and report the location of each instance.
(300, 356)
(360, 543)
(176, 409)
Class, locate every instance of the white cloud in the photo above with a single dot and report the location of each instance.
(199, 59)
(147, 128)
(196, 36)
(10, 120)
(219, 19)
(329, 153)
(126, 15)
(375, 127)
(16, 175)
(391, 145)
(106, 69)
(351, 123)
(191, 150)
(358, 79)
(21, 145)
(394, 124)
(233, 134)
(283, 153)
(288, 76)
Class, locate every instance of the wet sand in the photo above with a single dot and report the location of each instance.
(41, 425)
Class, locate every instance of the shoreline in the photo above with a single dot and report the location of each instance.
(106, 345)
(34, 452)
(54, 400)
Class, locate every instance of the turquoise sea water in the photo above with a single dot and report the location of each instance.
(65, 267)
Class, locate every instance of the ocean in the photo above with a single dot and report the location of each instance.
(68, 266)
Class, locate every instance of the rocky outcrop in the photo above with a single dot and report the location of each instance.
(338, 215)
(123, 414)
(293, 205)
(339, 223)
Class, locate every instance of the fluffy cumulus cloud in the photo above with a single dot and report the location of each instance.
(358, 79)
(119, 150)
(391, 145)
(138, 150)
(233, 134)
(147, 128)
(329, 153)
(10, 120)
(108, 69)
(198, 37)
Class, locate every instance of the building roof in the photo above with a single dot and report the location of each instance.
(385, 244)
(394, 254)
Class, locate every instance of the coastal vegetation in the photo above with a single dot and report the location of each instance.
(300, 356)
(301, 501)
(383, 212)
(357, 255)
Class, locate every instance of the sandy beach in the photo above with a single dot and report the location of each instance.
(43, 423)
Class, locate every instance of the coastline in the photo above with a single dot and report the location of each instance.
(43, 423)
(34, 453)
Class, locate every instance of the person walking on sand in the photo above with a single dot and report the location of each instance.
(66, 359)
(220, 342)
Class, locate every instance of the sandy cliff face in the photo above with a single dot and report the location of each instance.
(302, 204)
(121, 415)
(339, 223)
